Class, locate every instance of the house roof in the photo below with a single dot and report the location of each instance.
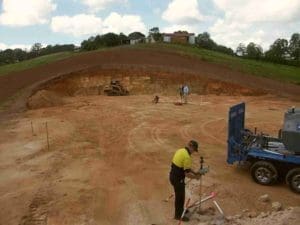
(179, 34)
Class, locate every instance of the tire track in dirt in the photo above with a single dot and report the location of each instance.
(38, 209)
(204, 130)
(143, 127)
(156, 136)
(133, 134)
(142, 212)
(184, 132)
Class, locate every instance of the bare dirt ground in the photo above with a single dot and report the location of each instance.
(109, 159)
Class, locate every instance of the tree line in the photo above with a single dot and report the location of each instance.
(110, 40)
(16, 55)
(281, 51)
(204, 41)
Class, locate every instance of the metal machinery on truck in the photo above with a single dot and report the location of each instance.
(271, 158)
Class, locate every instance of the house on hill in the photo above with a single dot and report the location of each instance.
(136, 37)
(179, 37)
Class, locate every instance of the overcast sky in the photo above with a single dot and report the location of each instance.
(230, 22)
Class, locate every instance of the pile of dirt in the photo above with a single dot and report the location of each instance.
(44, 98)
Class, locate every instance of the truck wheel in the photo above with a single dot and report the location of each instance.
(264, 173)
(293, 180)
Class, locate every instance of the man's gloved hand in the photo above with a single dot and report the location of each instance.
(203, 171)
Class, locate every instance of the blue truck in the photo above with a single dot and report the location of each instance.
(271, 159)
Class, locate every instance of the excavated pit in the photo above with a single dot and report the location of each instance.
(108, 158)
(56, 91)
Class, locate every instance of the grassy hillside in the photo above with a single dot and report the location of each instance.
(258, 68)
(27, 64)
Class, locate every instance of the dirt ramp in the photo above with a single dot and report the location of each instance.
(44, 99)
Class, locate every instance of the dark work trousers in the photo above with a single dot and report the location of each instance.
(179, 189)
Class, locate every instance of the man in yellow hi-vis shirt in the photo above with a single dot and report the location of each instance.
(181, 168)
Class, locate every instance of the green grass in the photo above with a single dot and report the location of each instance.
(27, 64)
(254, 67)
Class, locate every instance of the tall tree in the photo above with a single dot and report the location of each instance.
(241, 50)
(36, 47)
(123, 38)
(155, 34)
(203, 40)
(278, 50)
(111, 39)
(136, 35)
(294, 46)
(254, 51)
(19, 55)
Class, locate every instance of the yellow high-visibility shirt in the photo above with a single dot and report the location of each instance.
(182, 159)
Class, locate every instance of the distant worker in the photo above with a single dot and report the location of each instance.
(181, 168)
(156, 99)
(186, 91)
(181, 93)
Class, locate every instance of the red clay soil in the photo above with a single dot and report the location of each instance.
(109, 160)
(158, 60)
(109, 157)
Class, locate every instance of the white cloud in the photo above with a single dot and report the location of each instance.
(232, 33)
(183, 12)
(26, 13)
(21, 46)
(84, 25)
(127, 23)
(228, 33)
(78, 25)
(261, 22)
(260, 11)
(182, 15)
(97, 5)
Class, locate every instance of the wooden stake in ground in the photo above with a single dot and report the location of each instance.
(47, 135)
(200, 191)
(32, 129)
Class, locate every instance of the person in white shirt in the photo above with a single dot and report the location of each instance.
(185, 93)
